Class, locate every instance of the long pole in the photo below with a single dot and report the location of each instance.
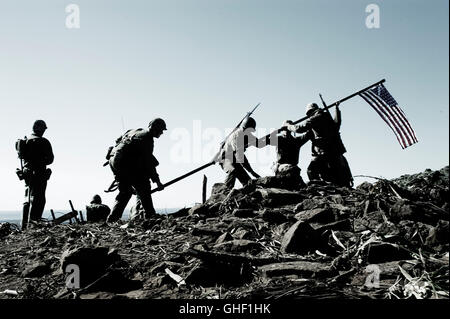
(344, 99)
(275, 132)
(207, 164)
(185, 175)
(326, 108)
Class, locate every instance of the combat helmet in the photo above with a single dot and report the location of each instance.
(310, 108)
(158, 124)
(249, 123)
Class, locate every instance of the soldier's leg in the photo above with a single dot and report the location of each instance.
(344, 176)
(230, 180)
(37, 197)
(143, 190)
(314, 168)
(334, 172)
(125, 193)
(137, 211)
(242, 175)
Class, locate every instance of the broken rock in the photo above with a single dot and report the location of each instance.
(299, 268)
(300, 238)
(92, 262)
(239, 245)
(36, 269)
(318, 215)
(380, 252)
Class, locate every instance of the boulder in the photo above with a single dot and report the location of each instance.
(242, 233)
(275, 197)
(317, 215)
(224, 237)
(304, 269)
(36, 269)
(301, 238)
(93, 262)
(273, 216)
(244, 213)
(438, 235)
(418, 211)
(343, 225)
(239, 245)
(381, 252)
(310, 203)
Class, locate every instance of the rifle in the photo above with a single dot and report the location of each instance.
(328, 111)
(20, 148)
(215, 158)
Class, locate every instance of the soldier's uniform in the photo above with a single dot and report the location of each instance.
(328, 162)
(96, 211)
(133, 164)
(288, 151)
(232, 158)
(37, 155)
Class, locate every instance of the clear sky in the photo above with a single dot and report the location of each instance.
(211, 61)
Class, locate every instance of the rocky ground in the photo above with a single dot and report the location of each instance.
(267, 240)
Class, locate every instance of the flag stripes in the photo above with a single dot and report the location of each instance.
(386, 107)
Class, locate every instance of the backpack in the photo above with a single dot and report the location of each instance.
(117, 155)
(21, 146)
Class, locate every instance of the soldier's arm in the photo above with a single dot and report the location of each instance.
(49, 157)
(301, 128)
(262, 142)
(252, 140)
(248, 168)
(151, 162)
(302, 139)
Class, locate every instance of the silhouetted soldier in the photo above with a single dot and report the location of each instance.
(233, 160)
(133, 164)
(96, 211)
(36, 153)
(288, 151)
(328, 162)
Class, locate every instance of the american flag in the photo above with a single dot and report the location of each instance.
(387, 108)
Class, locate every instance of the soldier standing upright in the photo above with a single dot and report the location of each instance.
(36, 153)
(133, 165)
(328, 162)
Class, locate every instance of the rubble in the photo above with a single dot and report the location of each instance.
(269, 239)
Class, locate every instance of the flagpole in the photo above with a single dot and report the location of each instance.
(263, 138)
(214, 161)
(325, 108)
(342, 100)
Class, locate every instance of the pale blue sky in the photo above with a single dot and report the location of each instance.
(212, 61)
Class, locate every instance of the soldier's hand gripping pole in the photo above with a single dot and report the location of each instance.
(343, 99)
(326, 107)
